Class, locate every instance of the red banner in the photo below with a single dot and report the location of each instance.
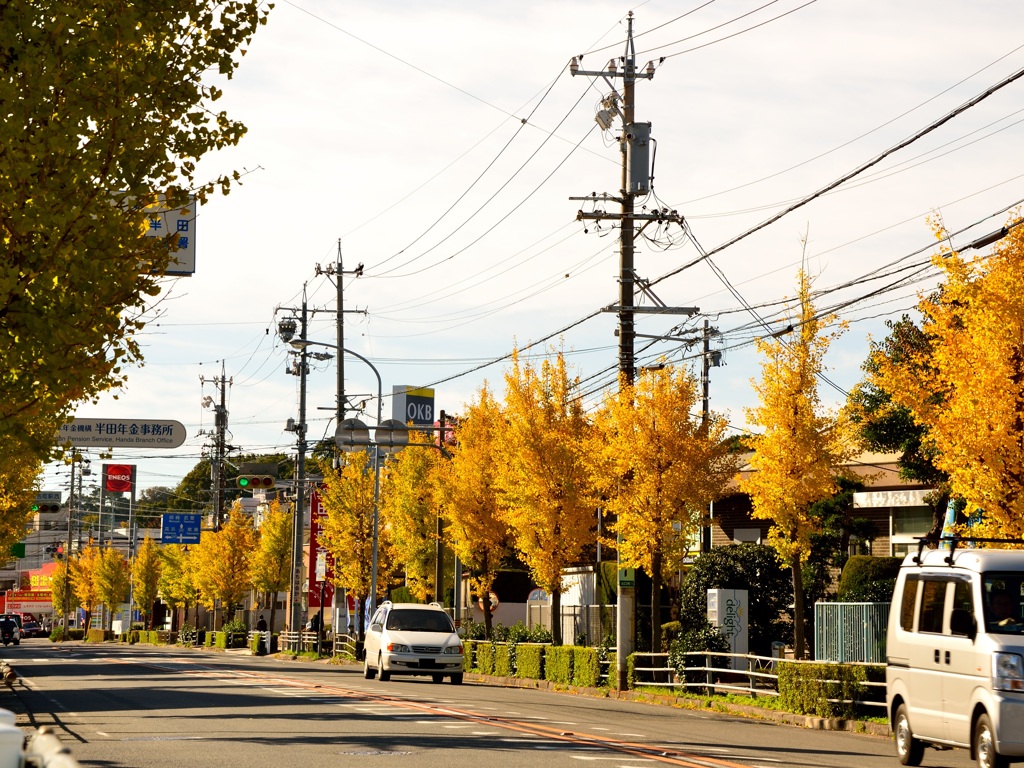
(321, 591)
(118, 478)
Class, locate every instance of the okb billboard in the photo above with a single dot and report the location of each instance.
(415, 404)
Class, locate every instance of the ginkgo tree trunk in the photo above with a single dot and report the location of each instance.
(800, 450)
(661, 465)
(467, 492)
(547, 496)
(967, 387)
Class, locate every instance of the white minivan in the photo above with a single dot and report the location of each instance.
(955, 652)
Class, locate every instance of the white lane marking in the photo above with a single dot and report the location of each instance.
(104, 734)
(640, 735)
(457, 727)
(485, 733)
(612, 757)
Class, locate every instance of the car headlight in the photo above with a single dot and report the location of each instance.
(399, 648)
(453, 649)
(1007, 672)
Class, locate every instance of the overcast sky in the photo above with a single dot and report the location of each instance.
(440, 142)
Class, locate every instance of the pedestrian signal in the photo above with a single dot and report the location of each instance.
(255, 482)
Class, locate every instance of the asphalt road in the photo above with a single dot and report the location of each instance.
(117, 706)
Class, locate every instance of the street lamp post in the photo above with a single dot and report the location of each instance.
(354, 424)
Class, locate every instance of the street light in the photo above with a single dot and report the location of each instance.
(352, 434)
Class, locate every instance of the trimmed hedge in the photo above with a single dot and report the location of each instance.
(208, 639)
(485, 658)
(504, 660)
(868, 579)
(806, 688)
(469, 655)
(530, 662)
(98, 636)
(558, 664)
(586, 667)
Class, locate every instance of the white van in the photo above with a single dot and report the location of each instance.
(955, 648)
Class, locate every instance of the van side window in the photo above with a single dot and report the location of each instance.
(933, 602)
(961, 619)
(909, 601)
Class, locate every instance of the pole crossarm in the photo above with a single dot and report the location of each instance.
(656, 216)
(688, 311)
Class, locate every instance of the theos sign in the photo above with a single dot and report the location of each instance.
(118, 478)
(413, 404)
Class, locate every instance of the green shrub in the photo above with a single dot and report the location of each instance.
(504, 659)
(701, 638)
(485, 658)
(472, 630)
(630, 672)
(741, 566)
(530, 661)
(208, 637)
(669, 632)
(612, 680)
(220, 639)
(868, 579)
(57, 634)
(98, 636)
(586, 668)
(807, 688)
(558, 664)
(469, 655)
(235, 625)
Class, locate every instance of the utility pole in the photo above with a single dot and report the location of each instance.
(219, 443)
(634, 146)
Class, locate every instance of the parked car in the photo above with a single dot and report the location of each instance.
(955, 648)
(31, 628)
(412, 639)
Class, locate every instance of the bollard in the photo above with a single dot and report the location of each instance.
(11, 742)
(47, 750)
(7, 673)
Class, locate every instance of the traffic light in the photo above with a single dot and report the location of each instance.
(45, 506)
(254, 482)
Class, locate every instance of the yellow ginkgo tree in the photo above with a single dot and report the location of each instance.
(468, 495)
(222, 561)
(660, 465)
(146, 579)
(347, 530)
(967, 387)
(800, 449)
(547, 497)
(271, 561)
(409, 513)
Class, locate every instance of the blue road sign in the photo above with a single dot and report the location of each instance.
(180, 528)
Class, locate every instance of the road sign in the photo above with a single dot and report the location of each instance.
(180, 528)
(627, 577)
(122, 433)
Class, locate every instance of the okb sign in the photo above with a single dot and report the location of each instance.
(415, 404)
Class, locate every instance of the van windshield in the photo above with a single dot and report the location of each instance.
(1004, 595)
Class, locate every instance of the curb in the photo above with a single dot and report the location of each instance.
(724, 707)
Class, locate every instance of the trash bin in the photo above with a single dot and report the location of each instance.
(778, 650)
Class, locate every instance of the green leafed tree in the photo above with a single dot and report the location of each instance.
(107, 108)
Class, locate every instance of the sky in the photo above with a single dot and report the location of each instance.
(438, 144)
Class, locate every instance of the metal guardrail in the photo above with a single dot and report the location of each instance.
(306, 642)
(760, 671)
